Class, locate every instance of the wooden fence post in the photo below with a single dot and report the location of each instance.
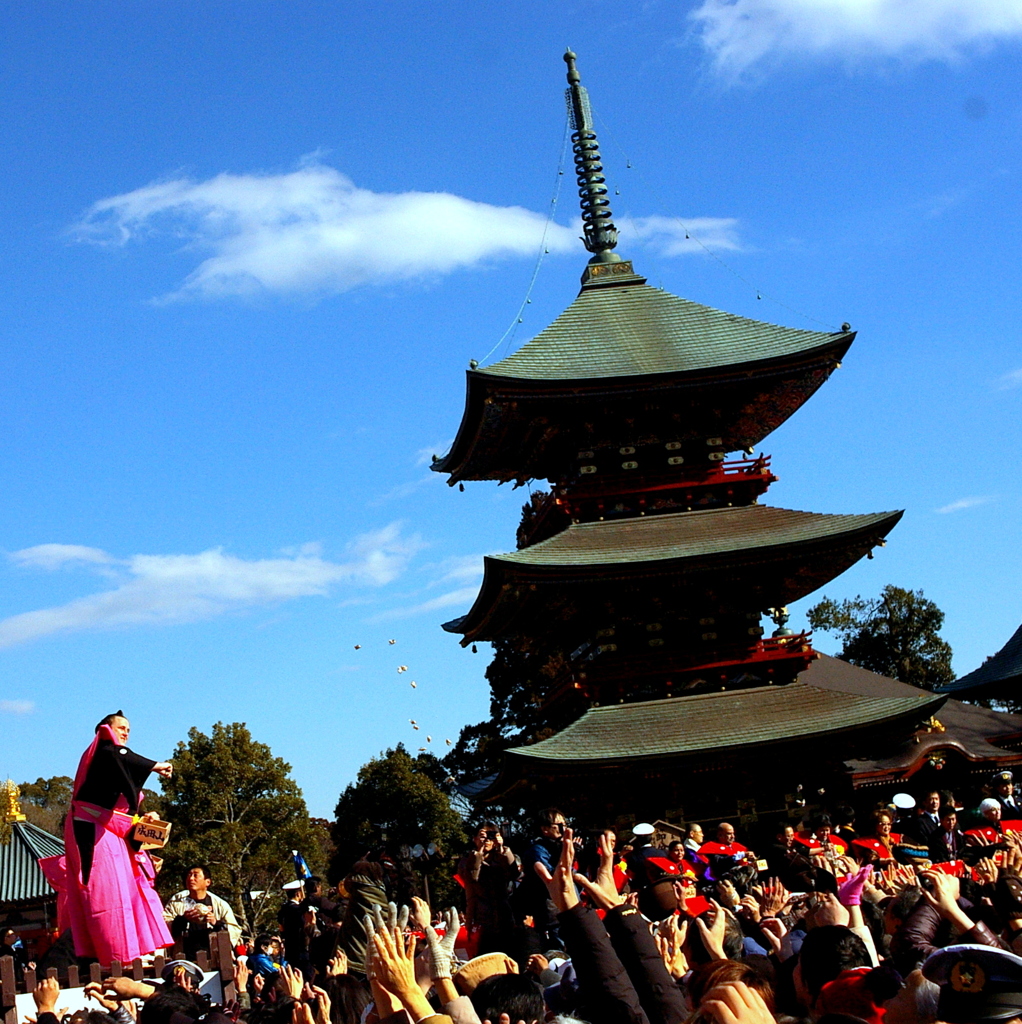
(8, 990)
(223, 957)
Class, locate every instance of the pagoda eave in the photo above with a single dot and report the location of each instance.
(724, 723)
(517, 428)
(779, 557)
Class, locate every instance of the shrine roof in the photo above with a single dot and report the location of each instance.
(625, 328)
(689, 535)
(21, 878)
(827, 698)
(972, 731)
(1003, 667)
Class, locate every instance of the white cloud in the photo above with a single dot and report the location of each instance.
(17, 707)
(463, 597)
(56, 556)
(963, 503)
(313, 231)
(1010, 380)
(672, 237)
(462, 569)
(739, 34)
(164, 589)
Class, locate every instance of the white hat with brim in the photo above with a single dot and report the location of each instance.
(643, 828)
(292, 886)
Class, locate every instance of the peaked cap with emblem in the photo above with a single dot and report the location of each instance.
(977, 983)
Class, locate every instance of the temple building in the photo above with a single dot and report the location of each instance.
(999, 678)
(27, 902)
(641, 579)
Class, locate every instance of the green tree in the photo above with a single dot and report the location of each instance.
(397, 800)
(895, 634)
(235, 808)
(45, 802)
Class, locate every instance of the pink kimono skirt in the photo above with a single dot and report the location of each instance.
(118, 914)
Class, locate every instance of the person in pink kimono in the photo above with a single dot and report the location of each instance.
(104, 881)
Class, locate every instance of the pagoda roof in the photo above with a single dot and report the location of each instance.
(1000, 670)
(830, 697)
(626, 328)
(21, 879)
(624, 351)
(772, 556)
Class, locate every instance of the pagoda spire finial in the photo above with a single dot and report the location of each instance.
(10, 809)
(600, 235)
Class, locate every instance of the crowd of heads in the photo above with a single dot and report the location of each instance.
(913, 916)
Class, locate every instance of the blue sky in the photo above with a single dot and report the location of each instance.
(249, 248)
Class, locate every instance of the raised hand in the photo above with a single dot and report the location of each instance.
(987, 870)
(670, 939)
(605, 874)
(441, 950)
(290, 981)
(829, 910)
(241, 975)
(45, 994)
(728, 893)
(562, 883)
(322, 1005)
(712, 933)
(736, 1003)
(537, 964)
(94, 990)
(420, 915)
(394, 970)
(774, 931)
(338, 965)
(749, 908)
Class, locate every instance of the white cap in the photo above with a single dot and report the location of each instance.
(903, 801)
(643, 828)
(291, 886)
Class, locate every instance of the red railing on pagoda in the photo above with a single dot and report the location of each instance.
(779, 659)
(707, 485)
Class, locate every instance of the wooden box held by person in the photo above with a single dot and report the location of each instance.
(152, 834)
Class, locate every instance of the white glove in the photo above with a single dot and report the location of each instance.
(441, 950)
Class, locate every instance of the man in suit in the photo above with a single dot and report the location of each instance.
(927, 819)
(947, 843)
(1003, 791)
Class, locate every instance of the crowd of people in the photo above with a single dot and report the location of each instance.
(906, 919)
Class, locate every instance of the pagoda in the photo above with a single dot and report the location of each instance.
(641, 579)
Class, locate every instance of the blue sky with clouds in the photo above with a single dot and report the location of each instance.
(249, 248)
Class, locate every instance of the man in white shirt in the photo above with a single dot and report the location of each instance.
(195, 912)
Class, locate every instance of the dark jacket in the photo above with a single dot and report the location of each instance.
(607, 995)
(941, 850)
(924, 931)
(657, 991)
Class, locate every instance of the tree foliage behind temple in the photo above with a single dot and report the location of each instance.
(235, 808)
(895, 634)
(397, 801)
(45, 802)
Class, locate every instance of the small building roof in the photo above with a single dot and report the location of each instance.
(772, 556)
(830, 697)
(999, 672)
(21, 880)
(980, 735)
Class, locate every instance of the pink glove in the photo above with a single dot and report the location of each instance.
(849, 893)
